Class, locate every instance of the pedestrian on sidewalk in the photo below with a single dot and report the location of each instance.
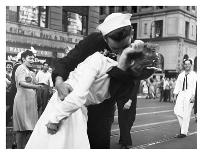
(185, 96)
(25, 113)
(9, 102)
(161, 88)
(43, 78)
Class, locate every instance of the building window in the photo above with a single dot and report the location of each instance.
(12, 13)
(188, 8)
(74, 23)
(145, 28)
(159, 7)
(123, 8)
(134, 25)
(33, 15)
(111, 9)
(43, 14)
(193, 8)
(187, 30)
(158, 28)
(134, 9)
(146, 6)
(101, 10)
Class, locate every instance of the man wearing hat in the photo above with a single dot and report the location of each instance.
(115, 34)
(184, 94)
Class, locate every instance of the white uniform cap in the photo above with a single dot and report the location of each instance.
(18, 57)
(33, 51)
(113, 22)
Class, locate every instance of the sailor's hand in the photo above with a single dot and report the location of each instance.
(62, 88)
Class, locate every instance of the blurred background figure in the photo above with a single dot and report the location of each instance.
(144, 87)
(9, 68)
(195, 103)
(155, 83)
(151, 89)
(172, 86)
(161, 88)
(43, 78)
(166, 90)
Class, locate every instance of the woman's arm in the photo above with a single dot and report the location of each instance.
(28, 85)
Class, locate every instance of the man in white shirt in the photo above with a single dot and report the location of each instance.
(184, 95)
(43, 77)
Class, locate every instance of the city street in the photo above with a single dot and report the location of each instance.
(100, 47)
(155, 127)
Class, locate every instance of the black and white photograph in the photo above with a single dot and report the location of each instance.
(100, 76)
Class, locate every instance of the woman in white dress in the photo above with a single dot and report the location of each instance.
(90, 83)
(25, 114)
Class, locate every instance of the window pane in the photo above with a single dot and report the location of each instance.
(101, 10)
(43, 15)
(84, 25)
(11, 13)
(74, 23)
(187, 30)
(158, 28)
(29, 15)
(135, 30)
(134, 9)
(111, 9)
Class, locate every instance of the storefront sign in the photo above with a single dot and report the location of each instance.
(14, 58)
(41, 33)
(60, 55)
(16, 50)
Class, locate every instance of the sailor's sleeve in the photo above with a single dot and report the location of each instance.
(86, 74)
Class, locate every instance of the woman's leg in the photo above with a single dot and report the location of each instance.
(26, 136)
(19, 139)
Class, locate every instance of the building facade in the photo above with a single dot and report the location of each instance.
(51, 30)
(174, 28)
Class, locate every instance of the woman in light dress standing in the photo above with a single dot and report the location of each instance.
(25, 114)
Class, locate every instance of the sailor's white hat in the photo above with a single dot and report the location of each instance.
(114, 21)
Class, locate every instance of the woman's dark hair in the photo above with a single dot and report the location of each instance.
(9, 62)
(27, 53)
(120, 33)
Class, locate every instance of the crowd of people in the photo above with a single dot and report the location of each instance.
(27, 93)
(102, 71)
(161, 88)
